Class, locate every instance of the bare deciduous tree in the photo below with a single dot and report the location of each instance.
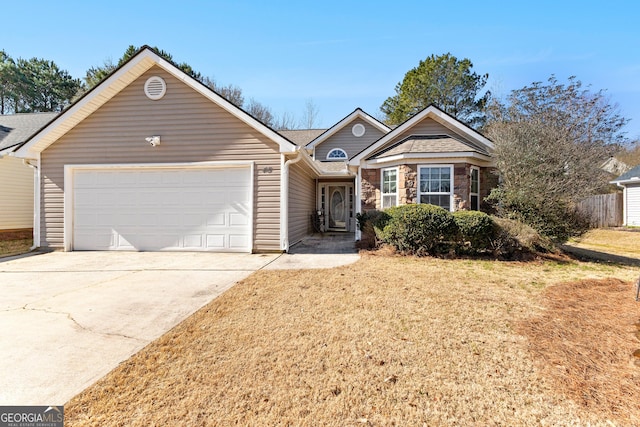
(260, 112)
(309, 115)
(550, 140)
(285, 122)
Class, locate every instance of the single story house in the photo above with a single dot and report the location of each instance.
(630, 184)
(151, 159)
(16, 175)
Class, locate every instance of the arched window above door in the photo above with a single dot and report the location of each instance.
(337, 154)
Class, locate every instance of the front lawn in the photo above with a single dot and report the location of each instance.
(390, 341)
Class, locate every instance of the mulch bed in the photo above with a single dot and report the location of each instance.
(587, 340)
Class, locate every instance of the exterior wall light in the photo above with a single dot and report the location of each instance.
(153, 140)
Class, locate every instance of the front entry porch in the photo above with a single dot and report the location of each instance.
(326, 243)
(336, 206)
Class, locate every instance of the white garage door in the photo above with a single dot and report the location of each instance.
(633, 205)
(152, 209)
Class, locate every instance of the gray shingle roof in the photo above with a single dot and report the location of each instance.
(17, 128)
(631, 174)
(301, 136)
(429, 144)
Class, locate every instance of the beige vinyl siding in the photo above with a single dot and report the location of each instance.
(192, 129)
(16, 194)
(344, 139)
(302, 201)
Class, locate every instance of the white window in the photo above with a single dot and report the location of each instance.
(337, 154)
(436, 185)
(475, 189)
(389, 187)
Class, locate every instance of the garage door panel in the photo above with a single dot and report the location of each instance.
(94, 239)
(216, 220)
(215, 241)
(238, 219)
(162, 209)
(237, 241)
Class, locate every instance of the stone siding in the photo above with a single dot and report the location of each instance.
(370, 198)
(408, 186)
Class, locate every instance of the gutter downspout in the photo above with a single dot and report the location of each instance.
(284, 198)
(36, 200)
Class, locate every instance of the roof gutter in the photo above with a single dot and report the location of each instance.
(284, 200)
(35, 165)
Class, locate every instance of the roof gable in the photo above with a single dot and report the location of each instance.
(428, 144)
(468, 136)
(357, 113)
(115, 83)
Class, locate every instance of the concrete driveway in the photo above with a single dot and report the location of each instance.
(67, 319)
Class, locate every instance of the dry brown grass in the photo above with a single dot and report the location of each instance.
(584, 340)
(386, 341)
(13, 243)
(623, 242)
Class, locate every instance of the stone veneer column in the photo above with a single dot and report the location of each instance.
(370, 198)
(407, 184)
(461, 187)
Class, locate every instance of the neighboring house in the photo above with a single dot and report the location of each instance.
(16, 177)
(151, 159)
(630, 184)
(614, 166)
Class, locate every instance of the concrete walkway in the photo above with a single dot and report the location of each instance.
(326, 250)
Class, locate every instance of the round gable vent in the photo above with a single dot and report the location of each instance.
(358, 130)
(155, 88)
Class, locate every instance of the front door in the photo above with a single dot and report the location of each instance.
(338, 214)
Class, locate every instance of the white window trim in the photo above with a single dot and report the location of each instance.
(382, 193)
(471, 169)
(428, 165)
(337, 158)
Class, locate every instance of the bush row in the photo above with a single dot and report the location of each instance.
(422, 229)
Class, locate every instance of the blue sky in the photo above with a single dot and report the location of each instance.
(344, 54)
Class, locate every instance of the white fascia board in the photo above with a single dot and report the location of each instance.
(433, 112)
(357, 113)
(634, 180)
(427, 156)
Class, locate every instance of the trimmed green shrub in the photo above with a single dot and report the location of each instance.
(419, 229)
(476, 231)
